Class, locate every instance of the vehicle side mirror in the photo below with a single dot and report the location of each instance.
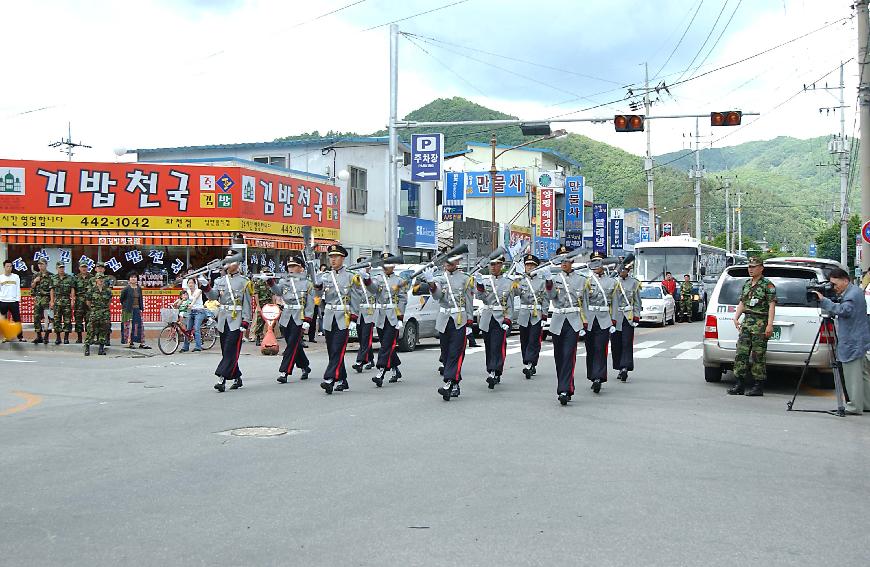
(703, 270)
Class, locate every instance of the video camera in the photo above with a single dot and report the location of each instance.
(825, 288)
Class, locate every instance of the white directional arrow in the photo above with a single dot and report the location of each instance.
(427, 174)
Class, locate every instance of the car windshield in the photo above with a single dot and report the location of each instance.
(791, 287)
(652, 263)
(651, 293)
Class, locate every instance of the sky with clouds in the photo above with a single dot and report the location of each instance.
(156, 73)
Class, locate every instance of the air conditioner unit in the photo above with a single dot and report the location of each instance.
(551, 178)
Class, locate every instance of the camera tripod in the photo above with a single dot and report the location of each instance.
(826, 325)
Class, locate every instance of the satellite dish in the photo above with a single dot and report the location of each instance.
(119, 151)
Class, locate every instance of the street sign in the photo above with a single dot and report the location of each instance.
(667, 229)
(599, 227)
(812, 251)
(617, 234)
(865, 232)
(644, 234)
(453, 207)
(427, 156)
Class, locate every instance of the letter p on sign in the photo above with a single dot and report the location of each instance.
(427, 144)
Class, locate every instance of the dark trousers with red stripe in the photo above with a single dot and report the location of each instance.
(231, 346)
(453, 351)
(565, 354)
(294, 354)
(336, 345)
(622, 345)
(495, 344)
(365, 331)
(596, 352)
(388, 357)
(530, 343)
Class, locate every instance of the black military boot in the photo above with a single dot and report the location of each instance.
(491, 381)
(623, 375)
(282, 379)
(328, 386)
(66, 338)
(341, 386)
(527, 370)
(396, 375)
(378, 378)
(756, 388)
(305, 374)
(369, 366)
(87, 350)
(38, 339)
(357, 366)
(736, 389)
(237, 383)
(79, 339)
(102, 350)
(596, 385)
(57, 340)
(563, 398)
(446, 391)
(221, 386)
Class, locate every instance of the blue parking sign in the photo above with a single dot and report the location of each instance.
(427, 155)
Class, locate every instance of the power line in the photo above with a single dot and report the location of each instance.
(715, 43)
(325, 14)
(417, 15)
(682, 37)
(709, 35)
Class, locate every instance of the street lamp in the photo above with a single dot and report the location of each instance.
(493, 171)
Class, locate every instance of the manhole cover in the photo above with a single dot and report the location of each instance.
(256, 431)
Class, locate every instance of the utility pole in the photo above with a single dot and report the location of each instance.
(648, 162)
(864, 103)
(67, 144)
(392, 210)
(727, 216)
(697, 173)
(739, 221)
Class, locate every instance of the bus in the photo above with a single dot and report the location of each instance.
(681, 255)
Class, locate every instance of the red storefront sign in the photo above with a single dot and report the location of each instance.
(546, 211)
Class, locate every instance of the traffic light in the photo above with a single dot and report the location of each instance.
(628, 122)
(727, 118)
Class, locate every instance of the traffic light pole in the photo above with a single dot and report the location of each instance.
(727, 216)
(864, 103)
(648, 162)
(391, 224)
(697, 174)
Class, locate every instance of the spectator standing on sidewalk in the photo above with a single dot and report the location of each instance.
(10, 295)
(132, 304)
(195, 315)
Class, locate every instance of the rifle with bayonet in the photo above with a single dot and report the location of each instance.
(439, 259)
(213, 266)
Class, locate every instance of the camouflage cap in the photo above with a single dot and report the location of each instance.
(59, 264)
(83, 262)
(100, 265)
(41, 261)
(754, 261)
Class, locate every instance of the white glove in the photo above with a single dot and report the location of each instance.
(505, 327)
(318, 279)
(429, 274)
(203, 281)
(582, 333)
(634, 323)
(467, 331)
(305, 326)
(548, 275)
(399, 325)
(612, 329)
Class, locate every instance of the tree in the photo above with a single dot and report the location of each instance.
(828, 240)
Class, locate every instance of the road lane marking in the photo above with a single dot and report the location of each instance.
(30, 400)
(687, 345)
(690, 354)
(648, 352)
(16, 360)
(647, 344)
(513, 350)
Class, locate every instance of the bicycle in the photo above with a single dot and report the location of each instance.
(175, 332)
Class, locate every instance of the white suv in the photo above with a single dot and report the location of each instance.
(797, 321)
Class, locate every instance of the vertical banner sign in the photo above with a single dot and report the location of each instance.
(427, 155)
(617, 229)
(453, 206)
(574, 211)
(667, 229)
(644, 234)
(546, 212)
(599, 228)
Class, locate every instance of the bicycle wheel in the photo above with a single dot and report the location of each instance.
(209, 337)
(168, 339)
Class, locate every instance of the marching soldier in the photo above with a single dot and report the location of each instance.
(596, 300)
(686, 299)
(453, 291)
(390, 294)
(334, 287)
(234, 293)
(496, 292)
(298, 295)
(565, 291)
(530, 288)
(63, 296)
(99, 296)
(41, 290)
(626, 312)
(82, 283)
(364, 306)
(264, 297)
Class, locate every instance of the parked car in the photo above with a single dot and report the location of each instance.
(657, 305)
(798, 320)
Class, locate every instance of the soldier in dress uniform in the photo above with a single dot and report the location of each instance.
(600, 323)
(453, 290)
(568, 325)
(83, 282)
(234, 293)
(41, 290)
(496, 292)
(626, 312)
(530, 288)
(390, 294)
(63, 297)
(334, 288)
(298, 294)
(365, 308)
(99, 296)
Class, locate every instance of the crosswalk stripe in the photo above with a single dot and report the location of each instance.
(647, 344)
(513, 350)
(648, 352)
(687, 345)
(691, 354)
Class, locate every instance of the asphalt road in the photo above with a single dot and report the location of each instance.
(124, 460)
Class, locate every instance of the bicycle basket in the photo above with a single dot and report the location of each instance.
(168, 315)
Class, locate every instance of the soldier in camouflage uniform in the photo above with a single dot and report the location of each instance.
(41, 291)
(264, 297)
(83, 281)
(99, 320)
(62, 298)
(758, 304)
(686, 299)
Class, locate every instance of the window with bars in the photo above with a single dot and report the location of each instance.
(357, 191)
(279, 161)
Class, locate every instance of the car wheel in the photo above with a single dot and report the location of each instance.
(673, 320)
(713, 373)
(664, 322)
(409, 339)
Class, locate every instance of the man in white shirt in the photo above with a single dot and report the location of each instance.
(10, 295)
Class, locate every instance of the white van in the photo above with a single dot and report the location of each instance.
(798, 320)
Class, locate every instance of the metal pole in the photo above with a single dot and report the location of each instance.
(493, 171)
(840, 146)
(391, 220)
(698, 174)
(733, 228)
(648, 162)
(864, 102)
(727, 218)
(739, 221)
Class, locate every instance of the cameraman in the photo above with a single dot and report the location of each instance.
(853, 337)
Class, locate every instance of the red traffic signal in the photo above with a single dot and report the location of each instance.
(628, 122)
(728, 118)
